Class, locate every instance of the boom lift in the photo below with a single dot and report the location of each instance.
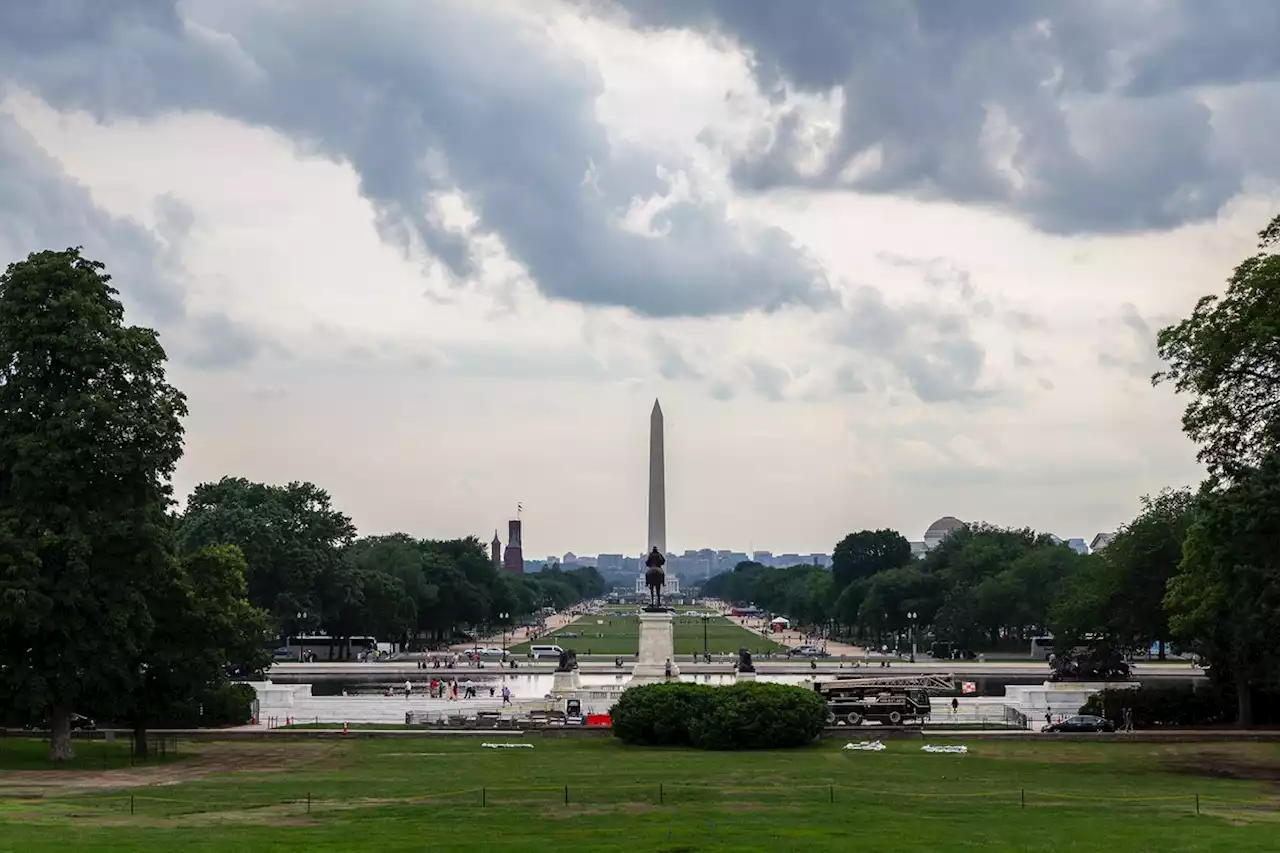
(893, 700)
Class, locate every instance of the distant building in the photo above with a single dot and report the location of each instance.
(1078, 545)
(513, 560)
(495, 551)
(941, 529)
(1101, 541)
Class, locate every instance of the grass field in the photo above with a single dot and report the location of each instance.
(620, 635)
(452, 794)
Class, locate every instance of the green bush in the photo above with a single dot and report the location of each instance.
(1164, 706)
(659, 714)
(759, 716)
(227, 705)
(742, 716)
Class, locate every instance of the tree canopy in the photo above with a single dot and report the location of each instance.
(1226, 356)
(92, 432)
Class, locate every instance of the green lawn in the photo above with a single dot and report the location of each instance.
(620, 635)
(452, 794)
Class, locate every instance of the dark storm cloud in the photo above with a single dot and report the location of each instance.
(1110, 128)
(420, 98)
(42, 208)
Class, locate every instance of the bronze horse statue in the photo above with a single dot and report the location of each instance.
(654, 576)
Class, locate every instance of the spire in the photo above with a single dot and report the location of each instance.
(657, 409)
(496, 540)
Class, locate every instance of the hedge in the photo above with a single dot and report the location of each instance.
(1164, 706)
(741, 716)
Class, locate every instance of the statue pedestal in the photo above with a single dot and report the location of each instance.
(746, 676)
(565, 682)
(657, 649)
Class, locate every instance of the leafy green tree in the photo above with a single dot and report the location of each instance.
(91, 434)
(1224, 601)
(1142, 557)
(1226, 355)
(868, 552)
(204, 629)
(292, 539)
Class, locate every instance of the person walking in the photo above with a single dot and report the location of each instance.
(506, 695)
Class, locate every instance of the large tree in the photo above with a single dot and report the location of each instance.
(292, 539)
(868, 552)
(91, 432)
(1226, 356)
(1224, 601)
(1141, 558)
(204, 629)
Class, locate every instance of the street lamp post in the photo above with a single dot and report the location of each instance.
(301, 616)
(504, 617)
(705, 651)
(911, 627)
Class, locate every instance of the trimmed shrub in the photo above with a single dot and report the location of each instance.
(742, 716)
(658, 714)
(759, 716)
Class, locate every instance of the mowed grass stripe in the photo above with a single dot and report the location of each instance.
(620, 635)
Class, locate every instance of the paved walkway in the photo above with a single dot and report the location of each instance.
(519, 635)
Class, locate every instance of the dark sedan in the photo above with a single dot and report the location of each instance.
(1082, 723)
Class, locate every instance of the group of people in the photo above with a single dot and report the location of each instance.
(439, 688)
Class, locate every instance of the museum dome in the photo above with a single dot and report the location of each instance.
(941, 529)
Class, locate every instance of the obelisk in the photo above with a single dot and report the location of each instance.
(657, 484)
(655, 660)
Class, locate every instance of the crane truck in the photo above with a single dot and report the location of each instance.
(892, 700)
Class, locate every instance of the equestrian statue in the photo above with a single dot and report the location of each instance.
(654, 576)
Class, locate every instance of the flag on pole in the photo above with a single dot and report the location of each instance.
(967, 687)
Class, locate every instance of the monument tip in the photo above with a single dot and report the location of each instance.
(657, 409)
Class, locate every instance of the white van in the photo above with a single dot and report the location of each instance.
(537, 652)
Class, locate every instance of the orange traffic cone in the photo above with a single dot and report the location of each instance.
(344, 726)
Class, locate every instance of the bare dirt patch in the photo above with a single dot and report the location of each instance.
(1226, 764)
(203, 761)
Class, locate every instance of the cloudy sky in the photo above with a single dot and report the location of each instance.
(881, 261)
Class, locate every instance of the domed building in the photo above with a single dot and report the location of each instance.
(941, 529)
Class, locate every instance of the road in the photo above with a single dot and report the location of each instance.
(292, 672)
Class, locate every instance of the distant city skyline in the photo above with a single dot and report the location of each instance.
(690, 562)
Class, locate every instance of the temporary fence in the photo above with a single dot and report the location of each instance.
(655, 794)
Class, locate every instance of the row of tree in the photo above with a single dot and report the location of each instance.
(112, 602)
(310, 572)
(1200, 567)
(982, 586)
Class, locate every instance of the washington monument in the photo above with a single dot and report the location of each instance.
(657, 484)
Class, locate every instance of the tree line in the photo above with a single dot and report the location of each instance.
(1197, 566)
(111, 600)
(311, 573)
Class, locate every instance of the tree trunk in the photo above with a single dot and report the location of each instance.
(1162, 650)
(140, 750)
(1244, 703)
(60, 734)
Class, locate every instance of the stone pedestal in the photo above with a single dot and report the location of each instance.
(746, 676)
(565, 682)
(657, 647)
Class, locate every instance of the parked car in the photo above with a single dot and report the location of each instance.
(808, 652)
(79, 723)
(490, 652)
(1082, 723)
